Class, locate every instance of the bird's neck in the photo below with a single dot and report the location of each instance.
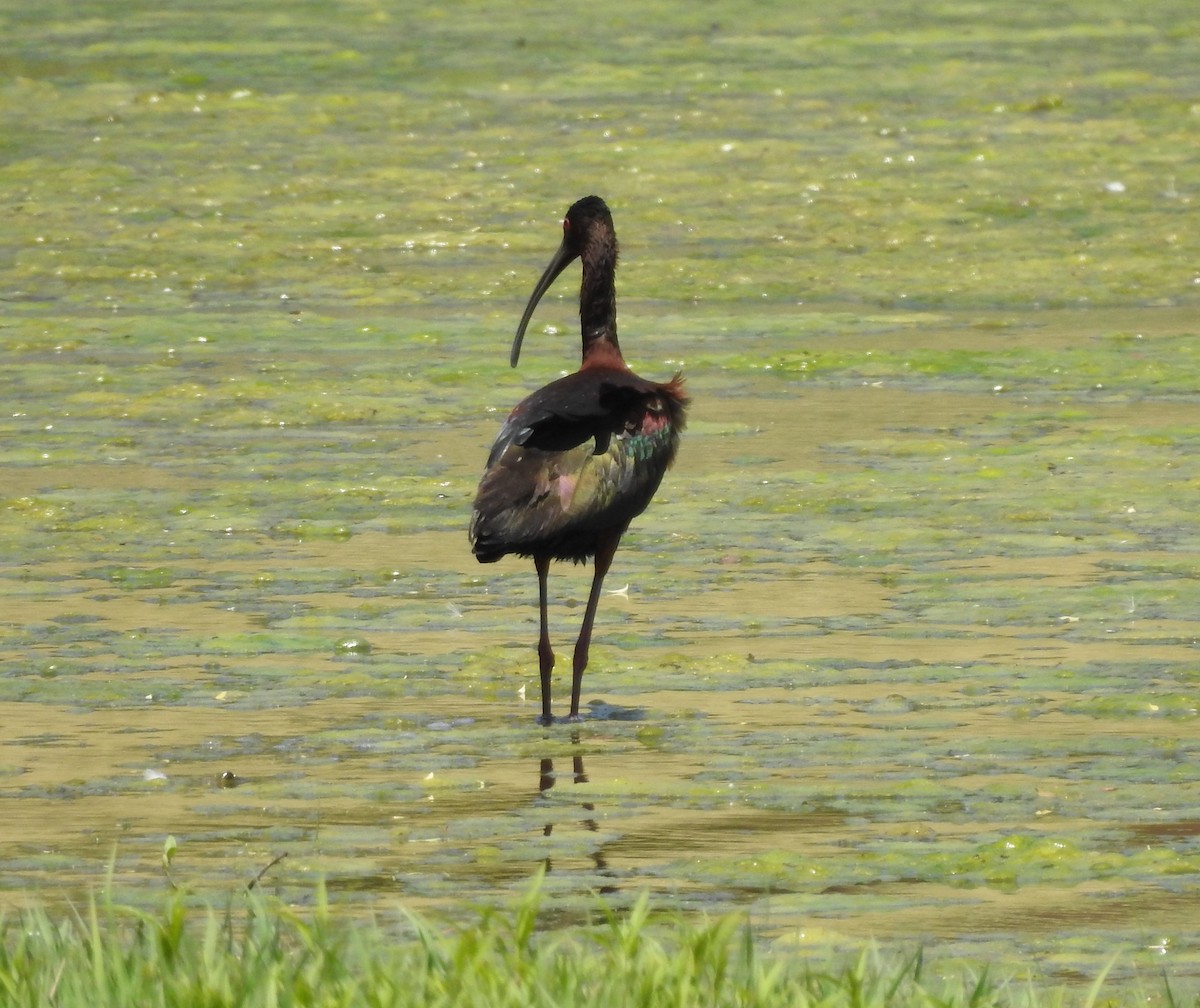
(598, 301)
(602, 352)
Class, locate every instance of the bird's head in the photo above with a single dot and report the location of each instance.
(586, 220)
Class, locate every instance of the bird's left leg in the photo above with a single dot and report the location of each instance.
(605, 548)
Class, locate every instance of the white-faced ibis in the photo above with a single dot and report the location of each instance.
(580, 458)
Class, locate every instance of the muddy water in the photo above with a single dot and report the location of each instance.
(889, 658)
(906, 647)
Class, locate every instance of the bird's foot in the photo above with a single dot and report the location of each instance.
(545, 719)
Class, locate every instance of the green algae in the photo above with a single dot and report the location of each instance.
(911, 625)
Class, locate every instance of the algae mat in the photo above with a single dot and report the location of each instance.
(906, 647)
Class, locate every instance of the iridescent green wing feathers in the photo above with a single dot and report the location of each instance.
(581, 458)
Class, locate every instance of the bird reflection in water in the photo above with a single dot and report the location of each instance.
(547, 778)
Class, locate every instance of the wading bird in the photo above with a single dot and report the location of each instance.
(580, 458)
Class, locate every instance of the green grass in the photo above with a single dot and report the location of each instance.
(256, 951)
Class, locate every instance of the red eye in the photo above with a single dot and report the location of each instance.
(566, 224)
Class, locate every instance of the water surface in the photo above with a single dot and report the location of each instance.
(904, 650)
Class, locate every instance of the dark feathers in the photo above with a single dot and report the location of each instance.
(582, 456)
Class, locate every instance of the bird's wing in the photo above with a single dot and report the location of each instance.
(565, 415)
(572, 461)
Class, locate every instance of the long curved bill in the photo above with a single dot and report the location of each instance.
(562, 259)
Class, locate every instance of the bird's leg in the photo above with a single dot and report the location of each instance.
(545, 651)
(605, 549)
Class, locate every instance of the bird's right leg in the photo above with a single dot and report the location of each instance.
(606, 546)
(545, 651)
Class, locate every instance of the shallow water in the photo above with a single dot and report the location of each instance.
(878, 689)
(904, 650)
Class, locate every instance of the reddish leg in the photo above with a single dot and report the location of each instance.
(605, 549)
(545, 651)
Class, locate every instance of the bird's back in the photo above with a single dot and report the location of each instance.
(578, 458)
